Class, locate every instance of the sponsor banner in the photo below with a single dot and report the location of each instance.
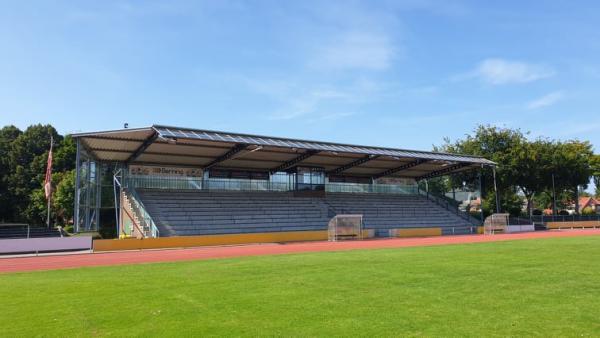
(396, 180)
(151, 170)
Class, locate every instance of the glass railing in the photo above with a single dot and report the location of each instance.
(245, 185)
(371, 188)
(164, 182)
(197, 183)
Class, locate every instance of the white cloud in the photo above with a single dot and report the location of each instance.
(298, 104)
(355, 50)
(546, 100)
(331, 116)
(500, 71)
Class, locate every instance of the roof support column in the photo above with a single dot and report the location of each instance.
(496, 189)
(481, 194)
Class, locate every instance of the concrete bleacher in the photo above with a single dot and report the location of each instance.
(183, 213)
(383, 212)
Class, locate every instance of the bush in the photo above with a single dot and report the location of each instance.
(476, 214)
(588, 211)
(537, 212)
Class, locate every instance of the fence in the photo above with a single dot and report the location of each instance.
(197, 183)
(564, 218)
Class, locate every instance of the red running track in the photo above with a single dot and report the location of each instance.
(20, 264)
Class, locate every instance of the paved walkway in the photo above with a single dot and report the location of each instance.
(53, 262)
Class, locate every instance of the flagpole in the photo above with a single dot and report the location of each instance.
(49, 199)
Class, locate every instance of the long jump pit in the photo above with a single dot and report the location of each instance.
(70, 261)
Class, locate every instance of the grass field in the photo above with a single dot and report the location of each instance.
(545, 287)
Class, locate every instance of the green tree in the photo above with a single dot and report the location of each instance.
(7, 136)
(64, 196)
(595, 168)
(572, 166)
(532, 166)
(23, 163)
(498, 145)
(28, 158)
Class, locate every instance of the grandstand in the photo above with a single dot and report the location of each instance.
(166, 182)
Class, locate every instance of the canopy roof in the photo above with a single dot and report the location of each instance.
(164, 145)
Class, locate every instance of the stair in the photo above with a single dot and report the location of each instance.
(144, 229)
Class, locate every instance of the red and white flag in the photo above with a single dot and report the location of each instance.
(48, 180)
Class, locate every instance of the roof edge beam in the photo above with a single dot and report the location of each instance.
(443, 171)
(290, 163)
(228, 155)
(147, 143)
(400, 168)
(352, 164)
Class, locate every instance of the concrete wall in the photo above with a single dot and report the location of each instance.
(569, 225)
(29, 245)
(208, 240)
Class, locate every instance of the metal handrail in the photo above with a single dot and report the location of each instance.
(141, 231)
(144, 215)
(444, 203)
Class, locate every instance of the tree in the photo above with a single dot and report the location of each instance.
(28, 157)
(498, 145)
(532, 165)
(595, 168)
(64, 196)
(572, 166)
(523, 165)
(7, 136)
(23, 160)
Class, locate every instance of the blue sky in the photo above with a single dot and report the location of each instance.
(390, 73)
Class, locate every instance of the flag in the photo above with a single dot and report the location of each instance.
(48, 180)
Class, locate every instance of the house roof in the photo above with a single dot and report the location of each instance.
(587, 201)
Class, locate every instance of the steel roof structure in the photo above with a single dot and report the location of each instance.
(165, 145)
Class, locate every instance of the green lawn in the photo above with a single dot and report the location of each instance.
(546, 287)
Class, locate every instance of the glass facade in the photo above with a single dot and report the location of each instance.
(94, 193)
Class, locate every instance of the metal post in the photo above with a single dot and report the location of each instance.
(553, 197)
(117, 209)
(49, 199)
(98, 193)
(576, 200)
(88, 178)
(481, 196)
(77, 187)
(495, 190)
